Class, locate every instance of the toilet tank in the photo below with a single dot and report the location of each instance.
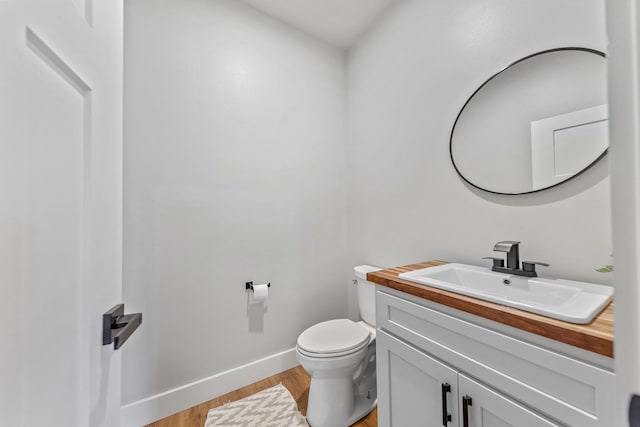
(366, 293)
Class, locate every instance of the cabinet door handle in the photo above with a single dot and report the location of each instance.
(446, 417)
(466, 402)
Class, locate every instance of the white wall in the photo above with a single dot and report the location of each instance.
(407, 79)
(234, 171)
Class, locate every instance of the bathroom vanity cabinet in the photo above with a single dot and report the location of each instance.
(424, 391)
(436, 363)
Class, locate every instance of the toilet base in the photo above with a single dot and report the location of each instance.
(339, 402)
(362, 408)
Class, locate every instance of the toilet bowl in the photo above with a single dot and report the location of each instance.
(340, 356)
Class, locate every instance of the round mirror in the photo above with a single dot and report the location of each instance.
(537, 123)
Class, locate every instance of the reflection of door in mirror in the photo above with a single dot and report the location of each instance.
(559, 98)
(564, 145)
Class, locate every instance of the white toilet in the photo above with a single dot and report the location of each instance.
(340, 356)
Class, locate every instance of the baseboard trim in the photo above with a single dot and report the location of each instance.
(162, 405)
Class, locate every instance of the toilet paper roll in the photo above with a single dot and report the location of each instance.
(260, 293)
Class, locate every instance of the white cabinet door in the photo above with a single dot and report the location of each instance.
(486, 408)
(413, 388)
(60, 210)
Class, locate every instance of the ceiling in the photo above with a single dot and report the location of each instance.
(338, 22)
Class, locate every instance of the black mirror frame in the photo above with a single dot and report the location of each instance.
(558, 49)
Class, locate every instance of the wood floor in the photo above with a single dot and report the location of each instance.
(296, 380)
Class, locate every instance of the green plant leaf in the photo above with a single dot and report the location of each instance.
(605, 269)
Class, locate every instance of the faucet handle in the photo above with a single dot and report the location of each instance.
(530, 266)
(497, 262)
(505, 246)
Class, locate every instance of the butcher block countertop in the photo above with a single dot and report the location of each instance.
(596, 336)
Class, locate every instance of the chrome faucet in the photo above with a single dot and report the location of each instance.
(512, 249)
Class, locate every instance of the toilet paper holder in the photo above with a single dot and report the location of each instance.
(249, 286)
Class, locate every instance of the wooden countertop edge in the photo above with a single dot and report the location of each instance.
(596, 336)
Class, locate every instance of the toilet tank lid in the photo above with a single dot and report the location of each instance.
(362, 270)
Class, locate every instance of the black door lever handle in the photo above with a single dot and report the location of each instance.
(634, 411)
(117, 327)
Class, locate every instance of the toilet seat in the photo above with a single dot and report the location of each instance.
(333, 338)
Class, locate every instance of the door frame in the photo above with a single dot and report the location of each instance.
(623, 28)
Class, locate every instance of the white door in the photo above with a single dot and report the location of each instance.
(413, 389)
(60, 210)
(623, 29)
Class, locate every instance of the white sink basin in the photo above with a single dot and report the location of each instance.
(575, 302)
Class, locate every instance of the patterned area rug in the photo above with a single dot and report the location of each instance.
(273, 407)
